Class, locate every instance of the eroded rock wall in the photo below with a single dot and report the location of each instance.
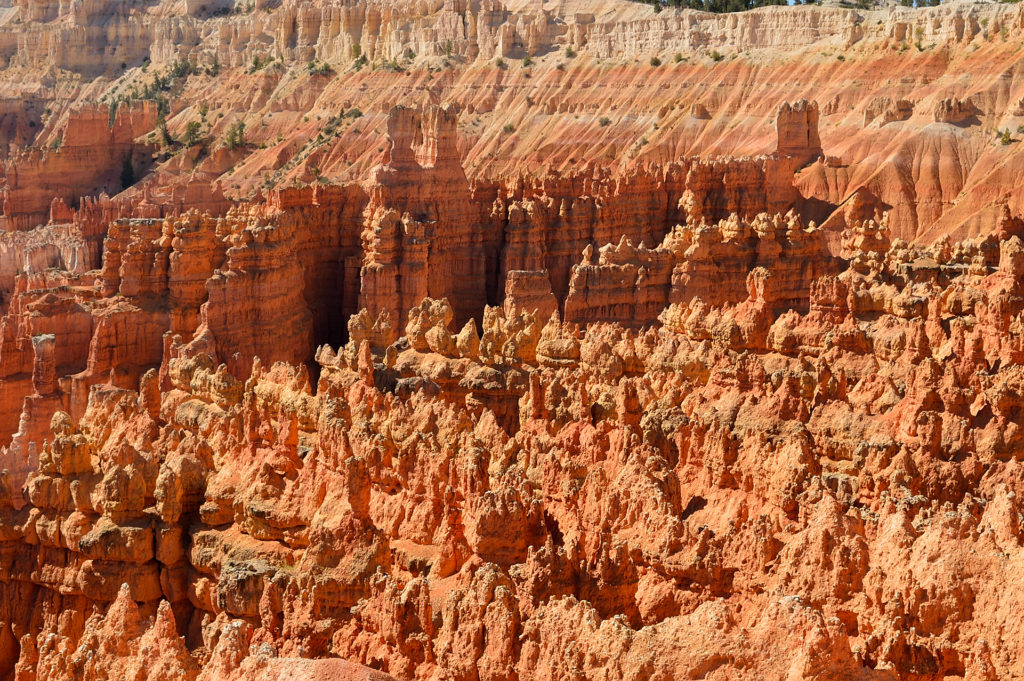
(481, 340)
(87, 160)
(740, 465)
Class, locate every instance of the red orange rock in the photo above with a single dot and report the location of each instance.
(516, 386)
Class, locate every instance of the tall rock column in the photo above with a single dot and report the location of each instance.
(22, 456)
(254, 305)
(797, 125)
(44, 376)
(421, 230)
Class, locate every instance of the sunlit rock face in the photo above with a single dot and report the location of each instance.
(476, 341)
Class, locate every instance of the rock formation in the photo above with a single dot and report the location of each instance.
(631, 285)
(797, 127)
(509, 341)
(261, 517)
(88, 158)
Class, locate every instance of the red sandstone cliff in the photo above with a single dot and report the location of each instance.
(783, 473)
(567, 367)
(909, 112)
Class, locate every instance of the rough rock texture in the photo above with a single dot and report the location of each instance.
(798, 131)
(819, 494)
(294, 74)
(87, 159)
(631, 284)
(955, 111)
(886, 110)
(459, 341)
(421, 235)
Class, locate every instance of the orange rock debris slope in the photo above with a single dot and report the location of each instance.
(508, 341)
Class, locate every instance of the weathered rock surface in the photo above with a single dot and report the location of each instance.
(331, 346)
(88, 158)
(798, 131)
(294, 75)
(778, 488)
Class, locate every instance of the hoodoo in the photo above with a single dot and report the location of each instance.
(491, 340)
(797, 124)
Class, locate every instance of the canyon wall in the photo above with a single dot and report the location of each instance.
(274, 278)
(88, 159)
(479, 340)
(799, 476)
(909, 102)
